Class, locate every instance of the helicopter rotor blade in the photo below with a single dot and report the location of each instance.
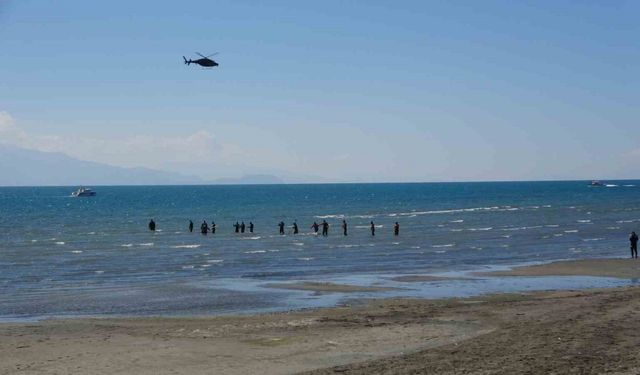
(201, 55)
(213, 54)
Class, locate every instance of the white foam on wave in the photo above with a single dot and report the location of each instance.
(60, 243)
(479, 229)
(584, 221)
(126, 245)
(336, 216)
(252, 238)
(613, 228)
(592, 239)
(457, 221)
(91, 233)
(188, 267)
(440, 251)
(186, 246)
(146, 244)
(571, 231)
(255, 252)
(445, 245)
(34, 240)
(611, 185)
(298, 243)
(99, 272)
(305, 259)
(215, 261)
(552, 225)
(76, 251)
(456, 230)
(558, 235)
(273, 251)
(629, 185)
(395, 243)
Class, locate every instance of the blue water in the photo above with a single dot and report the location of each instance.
(63, 256)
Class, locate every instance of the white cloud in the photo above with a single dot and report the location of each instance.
(129, 151)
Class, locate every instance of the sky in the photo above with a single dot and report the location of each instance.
(329, 91)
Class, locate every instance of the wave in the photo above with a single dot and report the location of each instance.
(457, 221)
(584, 221)
(611, 185)
(479, 229)
(186, 246)
(445, 245)
(146, 244)
(571, 231)
(629, 185)
(215, 261)
(305, 259)
(592, 239)
(126, 245)
(60, 243)
(255, 252)
(252, 238)
(76, 251)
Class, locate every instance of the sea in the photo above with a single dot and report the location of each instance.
(62, 256)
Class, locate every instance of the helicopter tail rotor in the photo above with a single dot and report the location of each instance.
(186, 61)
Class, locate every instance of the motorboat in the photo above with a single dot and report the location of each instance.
(83, 192)
(596, 183)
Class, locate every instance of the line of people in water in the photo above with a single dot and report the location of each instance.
(206, 228)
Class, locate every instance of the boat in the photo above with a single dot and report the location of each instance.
(596, 183)
(83, 192)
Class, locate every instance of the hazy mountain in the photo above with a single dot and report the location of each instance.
(20, 167)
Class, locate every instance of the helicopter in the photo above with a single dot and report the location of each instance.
(204, 61)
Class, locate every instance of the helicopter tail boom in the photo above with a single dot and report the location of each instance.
(188, 62)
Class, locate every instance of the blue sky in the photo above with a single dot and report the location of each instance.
(331, 90)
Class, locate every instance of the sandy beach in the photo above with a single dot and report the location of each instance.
(563, 332)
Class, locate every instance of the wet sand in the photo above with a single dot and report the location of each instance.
(618, 268)
(562, 332)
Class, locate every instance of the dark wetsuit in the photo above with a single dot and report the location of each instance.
(190, 226)
(250, 227)
(634, 245)
(315, 227)
(344, 227)
(373, 229)
(237, 226)
(204, 228)
(396, 229)
(213, 227)
(325, 228)
(152, 225)
(281, 226)
(242, 227)
(295, 228)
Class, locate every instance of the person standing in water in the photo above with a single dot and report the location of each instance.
(242, 226)
(396, 229)
(315, 227)
(250, 227)
(295, 228)
(281, 226)
(237, 227)
(190, 226)
(344, 227)
(152, 225)
(213, 227)
(204, 228)
(373, 229)
(325, 228)
(633, 239)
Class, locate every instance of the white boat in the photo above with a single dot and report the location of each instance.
(83, 192)
(596, 183)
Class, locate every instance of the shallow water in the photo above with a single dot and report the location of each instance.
(94, 256)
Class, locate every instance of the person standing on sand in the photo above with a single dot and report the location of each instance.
(633, 239)
(396, 229)
(373, 229)
(344, 227)
(315, 227)
(325, 228)
(152, 225)
(190, 226)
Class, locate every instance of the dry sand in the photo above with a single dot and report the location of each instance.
(619, 268)
(568, 332)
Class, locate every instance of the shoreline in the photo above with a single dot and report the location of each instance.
(593, 330)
